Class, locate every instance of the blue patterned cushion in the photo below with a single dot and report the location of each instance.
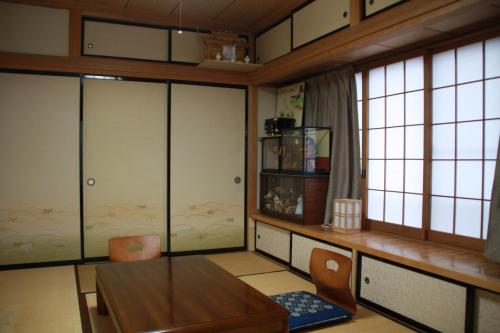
(308, 310)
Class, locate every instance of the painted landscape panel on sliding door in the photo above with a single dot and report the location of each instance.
(124, 154)
(39, 168)
(207, 167)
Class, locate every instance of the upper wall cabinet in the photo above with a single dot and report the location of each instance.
(319, 18)
(34, 30)
(188, 46)
(374, 6)
(125, 41)
(273, 43)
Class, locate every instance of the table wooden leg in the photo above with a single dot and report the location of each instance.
(101, 305)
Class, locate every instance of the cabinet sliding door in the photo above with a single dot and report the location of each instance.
(207, 167)
(124, 161)
(39, 168)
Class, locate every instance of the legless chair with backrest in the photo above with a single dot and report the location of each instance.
(134, 248)
(333, 285)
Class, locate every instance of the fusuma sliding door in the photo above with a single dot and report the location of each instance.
(124, 161)
(207, 167)
(39, 168)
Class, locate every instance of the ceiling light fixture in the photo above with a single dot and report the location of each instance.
(180, 17)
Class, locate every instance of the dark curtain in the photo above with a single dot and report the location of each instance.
(492, 248)
(330, 101)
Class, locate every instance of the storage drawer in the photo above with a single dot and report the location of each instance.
(319, 18)
(487, 312)
(374, 6)
(125, 41)
(273, 43)
(33, 29)
(302, 248)
(273, 241)
(433, 302)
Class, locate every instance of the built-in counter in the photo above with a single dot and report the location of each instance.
(427, 285)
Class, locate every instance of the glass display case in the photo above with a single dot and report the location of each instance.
(298, 150)
(300, 198)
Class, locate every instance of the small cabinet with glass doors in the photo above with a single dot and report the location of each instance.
(295, 170)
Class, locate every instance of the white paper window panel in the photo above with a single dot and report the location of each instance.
(273, 43)
(469, 179)
(492, 99)
(443, 105)
(376, 143)
(359, 85)
(431, 301)
(376, 109)
(443, 178)
(272, 240)
(395, 142)
(33, 29)
(395, 110)
(492, 57)
(468, 218)
(414, 108)
(414, 79)
(372, 7)
(470, 62)
(470, 140)
(360, 115)
(376, 82)
(302, 248)
(360, 145)
(127, 41)
(487, 314)
(376, 174)
(491, 136)
(443, 69)
(414, 142)
(443, 141)
(319, 18)
(470, 101)
(394, 207)
(489, 174)
(414, 174)
(395, 78)
(39, 163)
(442, 214)
(188, 46)
(394, 175)
(376, 205)
(413, 210)
(486, 218)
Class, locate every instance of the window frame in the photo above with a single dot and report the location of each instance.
(427, 52)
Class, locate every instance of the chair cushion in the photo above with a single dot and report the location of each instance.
(308, 310)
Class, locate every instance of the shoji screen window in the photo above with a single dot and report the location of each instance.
(359, 93)
(465, 132)
(395, 143)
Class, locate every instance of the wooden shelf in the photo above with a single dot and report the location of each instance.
(229, 66)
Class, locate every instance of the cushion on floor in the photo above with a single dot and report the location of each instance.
(308, 310)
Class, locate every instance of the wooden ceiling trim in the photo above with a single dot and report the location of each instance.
(277, 14)
(119, 67)
(344, 44)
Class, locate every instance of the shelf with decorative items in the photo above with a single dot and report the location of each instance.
(225, 50)
(294, 177)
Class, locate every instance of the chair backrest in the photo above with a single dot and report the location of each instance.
(134, 248)
(331, 284)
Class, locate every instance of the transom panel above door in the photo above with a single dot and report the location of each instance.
(207, 167)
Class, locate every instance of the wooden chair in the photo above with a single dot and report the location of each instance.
(333, 285)
(134, 248)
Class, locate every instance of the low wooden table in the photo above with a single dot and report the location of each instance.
(183, 294)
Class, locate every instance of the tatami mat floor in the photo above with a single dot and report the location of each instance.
(45, 299)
